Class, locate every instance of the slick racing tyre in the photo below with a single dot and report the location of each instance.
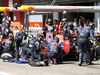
(39, 63)
(6, 56)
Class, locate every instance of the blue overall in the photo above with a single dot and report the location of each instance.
(83, 42)
(36, 50)
(56, 50)
(8, 46)
(18, 40)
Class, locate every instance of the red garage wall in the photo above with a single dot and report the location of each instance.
(5, 4)
(18, 15)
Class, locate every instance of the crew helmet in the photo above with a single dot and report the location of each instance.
(30, 36)
(56, 39)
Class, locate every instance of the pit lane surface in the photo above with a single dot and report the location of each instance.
(67, 68)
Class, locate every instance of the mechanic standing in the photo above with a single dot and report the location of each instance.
(83, 42)
(71, 31)
(51, 27)
(57, 25)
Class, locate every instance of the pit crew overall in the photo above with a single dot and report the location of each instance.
(83, 42)
(18, 40)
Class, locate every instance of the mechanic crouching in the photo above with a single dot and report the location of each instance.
(36, 49)
(9, 45)
(26, 48)
(53, 52)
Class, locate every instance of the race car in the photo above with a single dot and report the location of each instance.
(68, 46)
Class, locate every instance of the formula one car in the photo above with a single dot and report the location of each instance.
(68, 46)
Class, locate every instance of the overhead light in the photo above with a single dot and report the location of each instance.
(64, 12)
(32, 12)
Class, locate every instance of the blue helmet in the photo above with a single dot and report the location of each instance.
(96, 35)
(38, 35)
(11, 36)
(56, 39)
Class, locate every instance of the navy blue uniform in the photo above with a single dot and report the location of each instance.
(71, 31)
(5, 32)
(26, 51)
(8, 46)
(18, 40)
(63, 26)
(51, 28)
(83, 42)
(36, 50)
(44, 44)
(54, 51)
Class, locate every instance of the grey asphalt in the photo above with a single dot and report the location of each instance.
(67, 68)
